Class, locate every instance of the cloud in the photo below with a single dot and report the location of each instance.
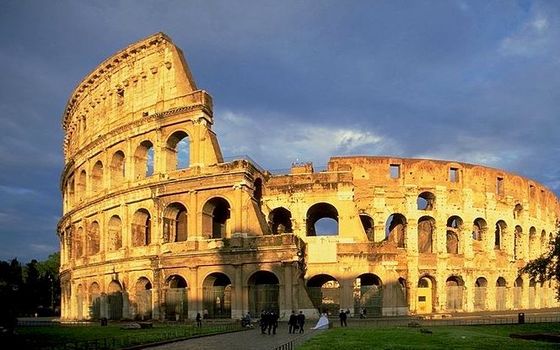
(18, 191)
(532, 38)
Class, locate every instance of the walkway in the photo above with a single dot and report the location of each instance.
(244, 340)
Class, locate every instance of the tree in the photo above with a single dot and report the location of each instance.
(547, 266)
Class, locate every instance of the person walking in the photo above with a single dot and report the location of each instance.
(292, 323)
(343, 316)
(198, 320)
(300, 321)
(272, 322)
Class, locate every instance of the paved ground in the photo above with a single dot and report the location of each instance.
(244, 340)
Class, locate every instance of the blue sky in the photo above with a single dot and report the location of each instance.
(473, 81)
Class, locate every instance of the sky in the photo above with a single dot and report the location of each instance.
(471, 81)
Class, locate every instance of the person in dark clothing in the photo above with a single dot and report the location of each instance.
(198, 320)
(264, 322)
(300, 321)
(272, 322)
(292, 323)
(343, 316)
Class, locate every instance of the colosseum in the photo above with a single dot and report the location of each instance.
(157, 225)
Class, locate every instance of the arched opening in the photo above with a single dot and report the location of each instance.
(480, 287)
(82, 179)
(426, 290)
(532, 293)
(115, 301)
(499, 235)
(78, 243)
(518, 293)
(544, 243)
(517, 211)
(93, 238)
(479, 229)
(324, 292)
(115, 233)
(367, 224)
(175, 223)
(426, 229)
(80, 302)
(97, 177)
(264, 292)
(454, 228)
(177, 151)
(518, 252)
(426, 201)
(368, 295)
(395, 229)
(217, 296)
(501, 293)
(533, 242)
(144, 160)
(117, 168)
(454, 293)
(143, 298)
(216, 214)
(280, 220)
(322, 220)
(94, 301)
(141, 228)
(176, 298)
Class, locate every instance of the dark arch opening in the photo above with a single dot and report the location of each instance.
(216, 214)
(322, 220)
(281, 220)
(264, 292)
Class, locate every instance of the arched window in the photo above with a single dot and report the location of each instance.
(518, 243)
(367, 224)
(454, 227)
(79, 243)
(178, 152)
(115, 233)
(97, 177)
(426, 229)
(395, 229)
(144, 160)
(322, 220)
(533, 242)
(517, 210)
(479, 229)
(117, 168)
(175, 222)
(82, 179)
(280, 221)
(426, 201)
(215, 217)
(141, 228)
(499, 235)
(93, 238)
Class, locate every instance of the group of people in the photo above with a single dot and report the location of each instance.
(296, 322)
(269, 322)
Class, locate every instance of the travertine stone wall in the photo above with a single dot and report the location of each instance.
(157, 225)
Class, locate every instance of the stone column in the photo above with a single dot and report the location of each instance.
(237, 306)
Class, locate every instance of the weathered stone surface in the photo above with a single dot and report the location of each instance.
(150, 234)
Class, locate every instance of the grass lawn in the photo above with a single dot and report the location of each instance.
(110, 337)
(494, 337)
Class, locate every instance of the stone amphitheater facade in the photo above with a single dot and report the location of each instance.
(157, 225)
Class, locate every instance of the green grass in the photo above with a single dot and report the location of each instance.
(111, 336)
(443, 337)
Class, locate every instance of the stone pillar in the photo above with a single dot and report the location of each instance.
(238, 308)
(346, 297)
(288, 288)
(468, 295)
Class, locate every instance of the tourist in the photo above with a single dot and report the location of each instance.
(292, 323)
(300, 321)
(272, 322)
(263, 322)
(198, 320)
(343, 316)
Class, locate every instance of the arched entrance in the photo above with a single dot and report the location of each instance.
(454, 293)
(518, 293)
(94, 301)
(501, 294)
(216, 215)
(176, 298)
(264, 290)
(368, 295)
(425, 293)
(480, 293)
(143, 298)
(115, 301)
(532, 293)
(217, 296)
(80, 302)
(324, 292)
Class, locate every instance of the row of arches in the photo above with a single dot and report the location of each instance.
(216, 215)
(175, 154)
(322, 220)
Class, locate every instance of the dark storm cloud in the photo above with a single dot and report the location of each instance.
(473, 81)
